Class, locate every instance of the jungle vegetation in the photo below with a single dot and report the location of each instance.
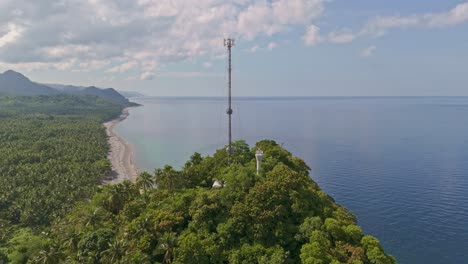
(175, 216)
(53, 153)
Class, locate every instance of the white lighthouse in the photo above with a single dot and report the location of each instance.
(259, 156)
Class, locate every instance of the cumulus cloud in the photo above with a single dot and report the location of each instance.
(271, 46)
(368, 52)
(189, 74)
(312, 35)
(207, 64)
(147, 76)
(268, 47)
(123, 67)
(455, 16)
(341, 37)
(116, 36)
(254, 48)
(11, 33)
(379, 26)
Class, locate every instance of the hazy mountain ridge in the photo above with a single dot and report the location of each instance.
(15, 83)
(130, 94)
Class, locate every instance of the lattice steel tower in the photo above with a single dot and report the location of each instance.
(229, 43)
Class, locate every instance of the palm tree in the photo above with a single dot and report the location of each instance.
(166, 245)
(115, 201)
(93, 218)
(128, 189)
(145, 181)
(50, 254)
(71, 242)
(115, 252)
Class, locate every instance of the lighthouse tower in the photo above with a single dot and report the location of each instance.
(259, 156)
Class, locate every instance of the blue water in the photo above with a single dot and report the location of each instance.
(399, 164)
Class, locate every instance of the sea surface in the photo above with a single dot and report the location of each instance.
(400, 164)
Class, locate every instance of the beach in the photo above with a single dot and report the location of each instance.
(121, 154)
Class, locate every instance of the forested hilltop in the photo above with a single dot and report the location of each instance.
(279, 216)
(52, 154)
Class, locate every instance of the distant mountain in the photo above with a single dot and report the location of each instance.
(130, 94)
(66, 88)
(15, 83)
(107, 93)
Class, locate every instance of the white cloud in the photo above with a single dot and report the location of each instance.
(458, 15)
(254, 49)
(297, 11)
(123, 67)
(13, 32)
(312, 35)
(207, 65)
(272, 46)
(147, 76)
(380, 25)
(113, 34)
(341, 37)
(190, 74)
(61, 51)
(368, 52)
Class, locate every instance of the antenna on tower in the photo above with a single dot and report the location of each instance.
(229, 43)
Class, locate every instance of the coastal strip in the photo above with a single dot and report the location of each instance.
(121, 154)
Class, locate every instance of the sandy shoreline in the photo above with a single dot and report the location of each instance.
(121, 154)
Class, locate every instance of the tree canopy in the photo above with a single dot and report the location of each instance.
(175, 216)
(53, 153)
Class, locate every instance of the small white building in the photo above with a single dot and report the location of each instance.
(217, 184)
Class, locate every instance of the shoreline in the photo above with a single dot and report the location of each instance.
(121, 154)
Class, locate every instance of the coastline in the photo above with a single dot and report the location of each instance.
(121, 154)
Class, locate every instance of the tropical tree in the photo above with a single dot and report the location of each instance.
(166, 245)
(116, 251)
(145, 181)
(49, 254)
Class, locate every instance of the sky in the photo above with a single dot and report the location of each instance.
(283, 47)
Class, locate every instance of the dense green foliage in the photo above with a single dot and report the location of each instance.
(52, 154)
(279, 216)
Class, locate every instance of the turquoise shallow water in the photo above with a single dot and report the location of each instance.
(399, 164)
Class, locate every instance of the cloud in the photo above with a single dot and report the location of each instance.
(271, 46)
(268, 18)
(458, 15)
(254, 48)
(368, 52)
(341, 37)
(312, 35)
(123, 67)
(379, 26)
(207, 64)
(114, 34)
(268, 47)
(12, 33)
(455, 16)
(190, 74)
(147, 76)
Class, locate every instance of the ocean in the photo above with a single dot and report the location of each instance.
(400, 164)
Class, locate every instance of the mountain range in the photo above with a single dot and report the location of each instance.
(15, 83)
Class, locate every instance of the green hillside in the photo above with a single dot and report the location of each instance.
(279, 216)
(52, 154)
